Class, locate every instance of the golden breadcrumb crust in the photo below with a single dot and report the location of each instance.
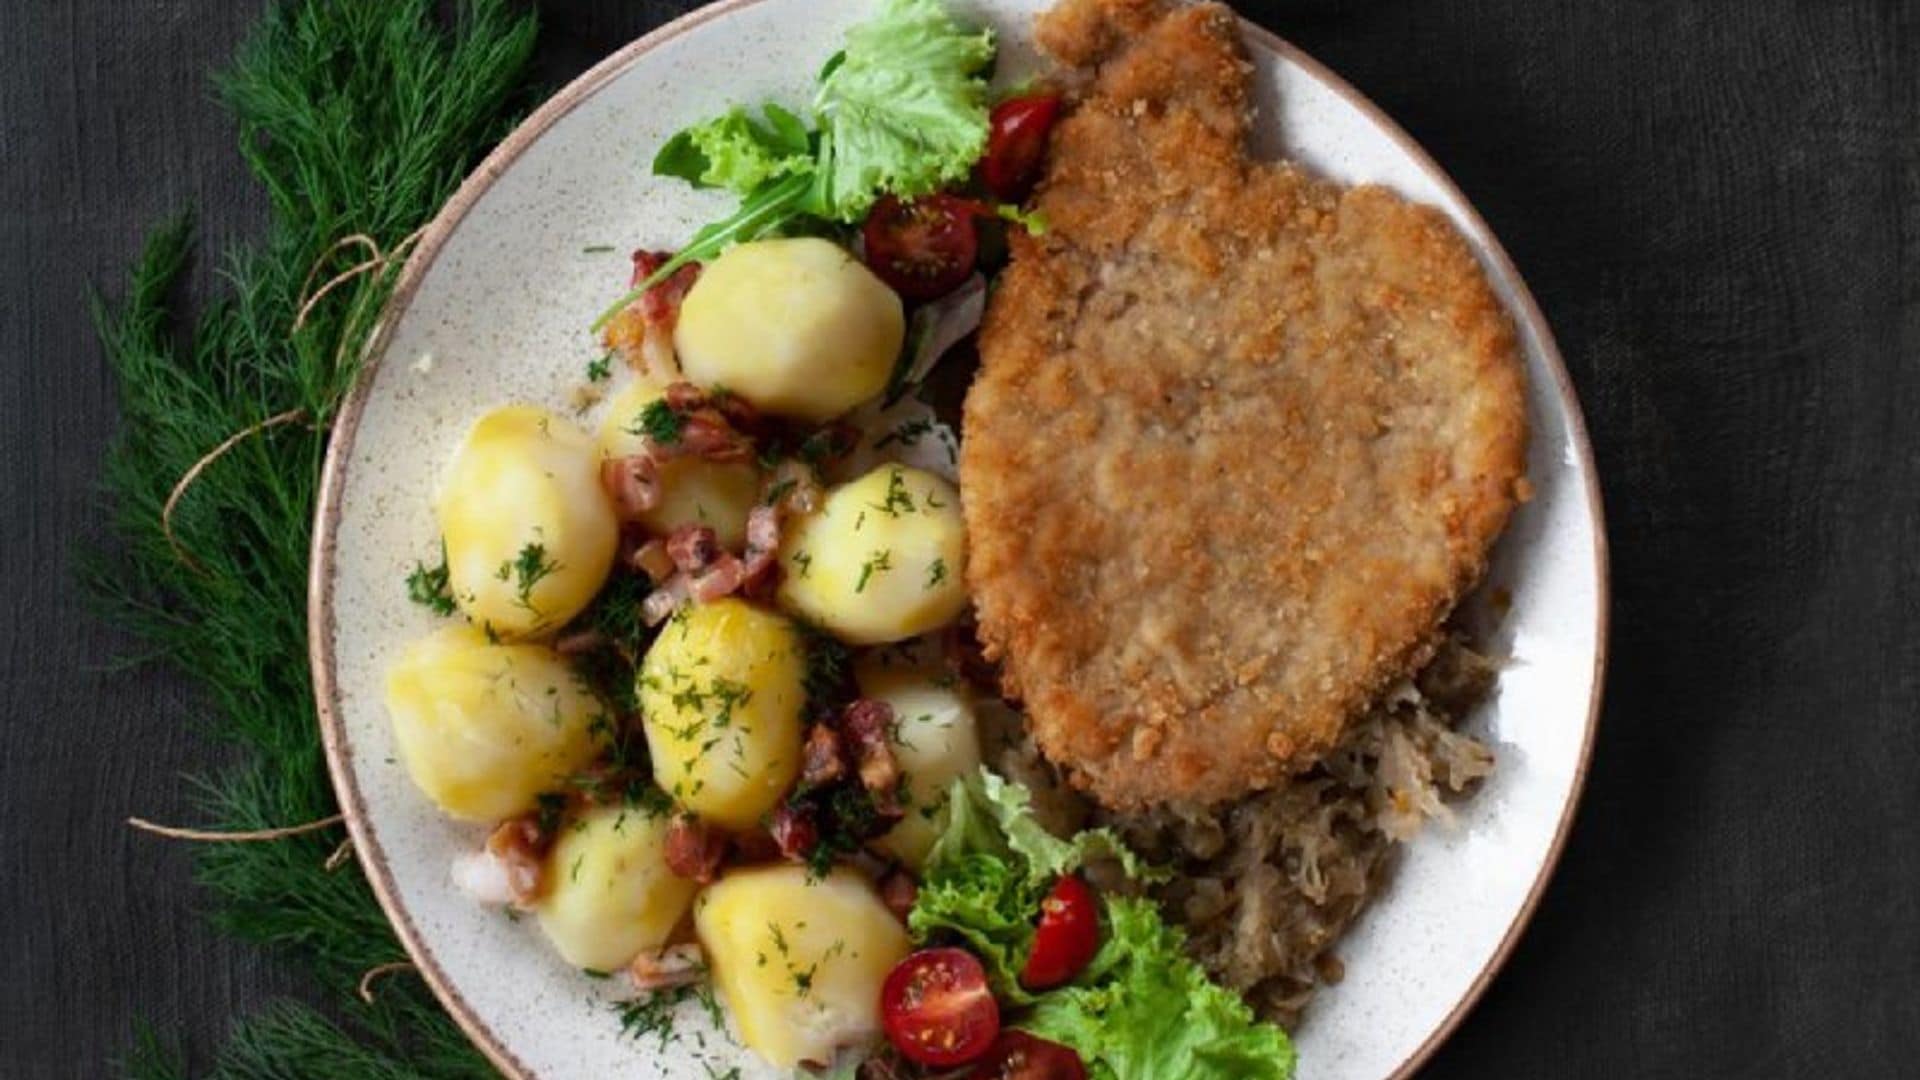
(1240, 438)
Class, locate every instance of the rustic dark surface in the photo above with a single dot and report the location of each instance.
(1718, 206)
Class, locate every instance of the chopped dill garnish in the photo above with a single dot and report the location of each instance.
(652, 1014)
(898, 499)
(596, 249)
(804, 560)
(601, 369)
(879, 562)
(428, 586)
(526, 570)
(906, 434)
(936, 573)
(827, 674)
(660, 423)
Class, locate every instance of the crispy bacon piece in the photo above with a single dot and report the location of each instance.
(521, 845)
(692, 547)
(643, 333)
(666, 598)
(760, 569)
(823, 759)
(661, 304)
(633, 482)
(898, 891)
(674, 965)
(795, 831)
(865, 722)
(694, 849)
(721, 577)
(652, 559)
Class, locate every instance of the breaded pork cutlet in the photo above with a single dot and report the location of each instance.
(1240, 439)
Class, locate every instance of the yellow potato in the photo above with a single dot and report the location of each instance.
(692, 491)
(530, 533)
(609, 894)
(884, 558)
(485, 728)
(721, 691)
(798, 327)
(935, 740)
(799, 963)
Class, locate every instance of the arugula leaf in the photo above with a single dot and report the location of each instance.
(767, 209)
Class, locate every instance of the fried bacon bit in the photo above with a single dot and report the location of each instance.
(674, 965)
(633, 483)
(653, 560)
(865, 722)
(823, 759)
(643, 333)
(721, 577)
(694, 849)
(795, 832)
(898, 891)
(661, 303)
(754, 846)
(692, 547)
(665, 599)
(710, 425)
(521, 845)
(761, 567)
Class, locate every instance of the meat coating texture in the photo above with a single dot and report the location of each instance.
(1240, 438)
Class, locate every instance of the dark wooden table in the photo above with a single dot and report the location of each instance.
(1717, 204)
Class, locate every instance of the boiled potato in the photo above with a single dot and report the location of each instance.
(530, 534)
(692, 491)
(721, 691)
(799, 962)
(609, 894)
(935, 740)
(484, 728)
(881, 560)
(798, 327)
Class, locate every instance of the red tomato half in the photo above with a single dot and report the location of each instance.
(936, 1008)
(1017, 1055)
(924, 248)
(1016, 138)
(1067, 937)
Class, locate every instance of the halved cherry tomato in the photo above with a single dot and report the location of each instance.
(936, 1008)
(1017, 1055)
(924, 248)
(1016, 137)
(1067, 937)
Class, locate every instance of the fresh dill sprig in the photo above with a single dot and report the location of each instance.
(430, 587)
(659, 422)
(600, 369)
(358, 117)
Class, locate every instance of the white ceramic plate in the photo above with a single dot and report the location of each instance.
(494, 306)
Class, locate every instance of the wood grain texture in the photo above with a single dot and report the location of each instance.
(1717, 205)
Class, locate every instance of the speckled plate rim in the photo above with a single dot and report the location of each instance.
(320, 614)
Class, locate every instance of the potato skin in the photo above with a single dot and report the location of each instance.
(796, 326)
(721, 691)
(799, 963)
(530, 534)
(935, 740)
(609, 893)
(692, 491)
(484, 728)
(882, 560)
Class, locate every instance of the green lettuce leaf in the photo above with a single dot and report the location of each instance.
(1143, 1009)
(737, 152)
(904, 110)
